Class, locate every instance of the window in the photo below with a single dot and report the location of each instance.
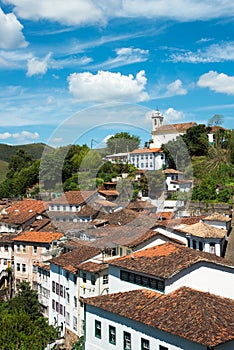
(75, 323)
(112, 335)
(6, 248)
(162, 347)
(35, 249)
(200, 246)
(98, 329)
(84, 276)
(93, 279)
(127, 341)
(53, 304)
(61, 291)
(17, 267)
(105, 279)
(24, 248)
(23, 268)
(57, 288)
(67, 316)
(53, 286)
(145, 344)
(141, 280)
(75, 302)
(212, 248)
(61, 309)
(17, 247)
(57, 306)
(68, 298)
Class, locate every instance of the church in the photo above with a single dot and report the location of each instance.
(161, 134)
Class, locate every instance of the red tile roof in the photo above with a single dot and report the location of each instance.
(27, 205)
(73, 197)
(175, 128)
(71, 261)
(146, 150)
(172, 171)
(197, 316)
(166, 260)
(93, 266)
(38, 237)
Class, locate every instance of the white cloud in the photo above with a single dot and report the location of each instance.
(107, 86)
(11, 35)
(36, 66)
(175, 88)
(181, 10)
(5, 135)
(214, 53)
(172, 115)
(125, 56)
(74, 12)
(80, 12)
(21, 136)
(218, 82)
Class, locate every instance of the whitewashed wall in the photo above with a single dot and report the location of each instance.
(137, 331)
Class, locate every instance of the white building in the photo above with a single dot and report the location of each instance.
(186, 319)
(175, 181)
(167, 267)
(147, 158)
(74, 275)
(161, 134)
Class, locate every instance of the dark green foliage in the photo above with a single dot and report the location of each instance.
(21, 323)
(196, 140)
(122, 142)
(79, 345)
(35, 150)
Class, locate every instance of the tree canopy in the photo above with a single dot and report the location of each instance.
(22, 325)
(122, 142)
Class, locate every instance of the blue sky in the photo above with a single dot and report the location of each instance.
(80, 70)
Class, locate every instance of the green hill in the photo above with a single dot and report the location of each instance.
(3, 170)
(34, 149)
(7, 151)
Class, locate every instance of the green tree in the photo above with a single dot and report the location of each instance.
(19, 161)
(22, 325)
(196, 140)
(123, 142)
(217, 119)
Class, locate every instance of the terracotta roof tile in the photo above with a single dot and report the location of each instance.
(203, 230)
(27, 205)
(146, 150)
(38, 237)
(175, 128)
(197, 316)
(217, 217)
(166, 260)
(92, 266)
(172, 171)
(71, 261)
(74, 197)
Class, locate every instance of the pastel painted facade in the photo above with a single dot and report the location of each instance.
(30, 248)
